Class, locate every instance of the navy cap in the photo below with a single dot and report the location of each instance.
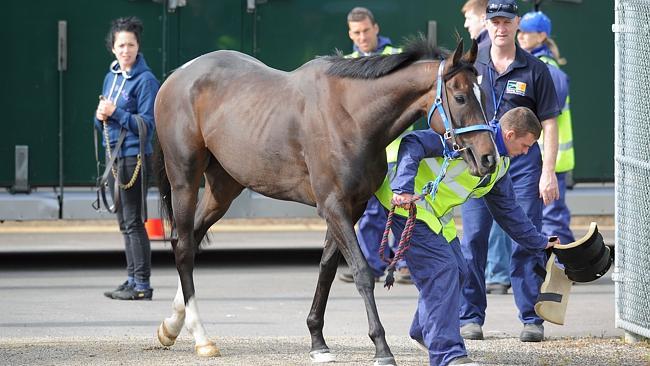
(501, 8)
(535, 21)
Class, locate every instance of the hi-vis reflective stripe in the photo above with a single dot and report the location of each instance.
(456, 168)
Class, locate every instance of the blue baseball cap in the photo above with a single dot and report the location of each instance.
(535, 21)
(501, 8)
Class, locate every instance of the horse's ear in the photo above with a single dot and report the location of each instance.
(458, 53)
(470, 56)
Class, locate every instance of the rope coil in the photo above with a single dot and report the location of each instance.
(431, 188)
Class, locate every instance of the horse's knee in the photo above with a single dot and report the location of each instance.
(365, 281)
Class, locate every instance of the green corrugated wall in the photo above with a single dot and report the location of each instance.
(282, 33)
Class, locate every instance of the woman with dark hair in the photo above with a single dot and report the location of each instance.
(126, 109)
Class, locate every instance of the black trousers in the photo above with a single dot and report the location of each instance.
(136, 242)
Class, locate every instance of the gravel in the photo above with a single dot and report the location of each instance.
(244, 351)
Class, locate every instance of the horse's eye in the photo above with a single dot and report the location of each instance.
(459, 99)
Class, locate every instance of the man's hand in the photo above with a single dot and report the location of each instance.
(552, 241)
(403, 200)
(548, 188)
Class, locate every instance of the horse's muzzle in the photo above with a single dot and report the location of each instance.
(488, 163)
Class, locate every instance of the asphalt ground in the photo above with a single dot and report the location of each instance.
(254, 289)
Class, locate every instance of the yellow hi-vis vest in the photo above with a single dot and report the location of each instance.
(565, 154)
(457, 187)
(393, 147)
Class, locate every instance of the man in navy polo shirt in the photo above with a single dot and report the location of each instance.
(510, 77)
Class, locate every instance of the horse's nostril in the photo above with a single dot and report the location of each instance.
(488, 161)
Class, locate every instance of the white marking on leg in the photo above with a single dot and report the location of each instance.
(193, 323)
(175, 322)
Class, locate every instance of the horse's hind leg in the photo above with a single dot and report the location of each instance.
(220, 191)
(329, 261)
(185, 164)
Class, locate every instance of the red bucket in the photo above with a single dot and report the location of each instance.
(155, 229)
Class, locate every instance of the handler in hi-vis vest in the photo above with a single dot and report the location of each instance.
(434, 257)
(534, 37)
(364, 33)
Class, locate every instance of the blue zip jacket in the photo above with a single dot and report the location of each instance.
(560, 78)
(501, 200)
(133, 93)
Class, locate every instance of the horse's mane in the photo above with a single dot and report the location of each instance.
(375, 66)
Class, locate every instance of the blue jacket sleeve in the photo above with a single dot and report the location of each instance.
(145, 99)
(546, 98)
(414, 147)
(561, 83)
(511, 217)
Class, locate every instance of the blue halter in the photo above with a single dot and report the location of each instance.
(450, 134)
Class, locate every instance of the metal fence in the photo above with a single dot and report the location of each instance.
(632, 165)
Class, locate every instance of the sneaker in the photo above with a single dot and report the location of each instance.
(403, 276)
(471, 331)
(132, 294)
(532, 333)
(121, 287)
(346, 276)
(497, 288)
(463, 361)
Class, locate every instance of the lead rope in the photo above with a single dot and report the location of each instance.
(138, 164)
(431, 188)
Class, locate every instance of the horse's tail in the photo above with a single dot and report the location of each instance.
(164, 187)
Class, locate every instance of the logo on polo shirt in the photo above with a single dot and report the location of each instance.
(516, 87)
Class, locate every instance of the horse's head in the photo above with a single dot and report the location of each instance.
(458, 115)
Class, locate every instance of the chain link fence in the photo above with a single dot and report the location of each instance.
(632, 165)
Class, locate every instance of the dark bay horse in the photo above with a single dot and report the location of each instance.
(316, 135)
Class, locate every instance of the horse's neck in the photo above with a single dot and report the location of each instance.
(399, 100)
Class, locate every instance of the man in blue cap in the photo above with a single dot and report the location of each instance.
(535, 37)
(511, 77)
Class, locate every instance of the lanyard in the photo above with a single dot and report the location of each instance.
(494, 97)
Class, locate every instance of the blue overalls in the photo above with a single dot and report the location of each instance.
(437, 266)
(527, 83)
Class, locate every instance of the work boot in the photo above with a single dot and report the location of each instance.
(121, 287)
(466, 361)
(132, 294)
(532, 333)
(497, 288)
(471, 331)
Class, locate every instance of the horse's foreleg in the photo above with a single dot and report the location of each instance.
(343, 232)
(171, 327)
(329, 261)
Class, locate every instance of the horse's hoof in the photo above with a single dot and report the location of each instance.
(385, 361)
(164, 337)
(322, 356)
(207, 350)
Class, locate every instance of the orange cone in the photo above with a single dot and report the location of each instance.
(154, 229)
